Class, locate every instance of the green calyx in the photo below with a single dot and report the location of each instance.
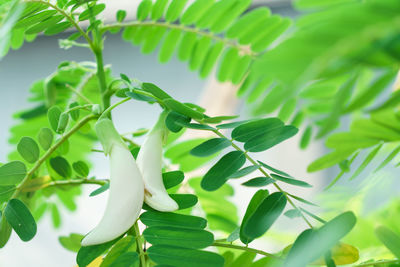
(108, 135)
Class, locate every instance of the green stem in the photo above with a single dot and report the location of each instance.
(257, 251)
(101, 76)
(208, 34)
(51, 151)
(139, 245)
(108, 110)
(266, 175)
(76, 182)
(375, 263)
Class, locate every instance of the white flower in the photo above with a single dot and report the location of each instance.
(149, 161)
(126, 191)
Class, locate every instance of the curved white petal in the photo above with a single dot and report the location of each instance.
(149, 161)
(125, 198)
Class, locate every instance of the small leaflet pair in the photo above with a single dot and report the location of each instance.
(131, 182)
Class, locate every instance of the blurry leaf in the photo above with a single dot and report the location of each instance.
(155, 218)
(92, 12)
(127, 259)
(55, 216)
(313, 244)
(20, 219)
(6, 191)
(45, 138)
(53, 115)
(155, 90)
(62, 122)
(61, 166)
(183, 257)
(366, 161)
(143, 9)
(178, 237)
(342, 254)
(230, 125)
(247, 131)
(75, 113)
(306, 137)
(388, 159)
(81, 168)
(5, 230)
(272, 169)
(390, 239)
(293, 213)
(261, 213)
(172, 120)
(235, 235)
(329, 160)
(71, 242)
(220, 172)
(28, 149)
(12, 173)
(182, 108)
(35, 184)
(210, 147)
(245, 259)
(121, 14)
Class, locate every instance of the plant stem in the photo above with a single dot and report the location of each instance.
(108, 110)
(266, 175)
(216, 244)
(375, 263)
(50, 152)
(101, 76)
(139, 245)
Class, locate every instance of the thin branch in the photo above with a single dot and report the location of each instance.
(375, 263)
(50, 152)
(260, 252)
(243, 49)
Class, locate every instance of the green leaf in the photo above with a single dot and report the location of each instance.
(184, 201)
(388, 159)
(87, 254)
(6, 191)
(195, 11)
(306, 137)
(5, 231)
(57, 28)
(41, 26)
(174, 10)
(247, 131)
(258, 182)
(313, 244)
(81, 168)
(235, 235)
(270, 139)
(390, 239)
(293, 213)
(370, 94)
(186, 45)
(121, 15)
(264, 215)
(228, 64)
(210, 147)
(244, 171)
(45, 138)
(329, 160)
(155, 218)
(126, 244)
(100, 190)
(62, 122)
(12, 173)
(92, 12)
(139, 97)
(183, 257)
(53, 115)
(33, 19)
(127, 259)
(247, 21)
(55, 216)
(195, 126)
(349, 140)
(211, 59)
(220, 172)
(155, 90)
(71, 242)
(20, 219)
(172, 178)
(173, 119)
(153, 39)
(158, 10)
(169, 44)
(199, 53)
(255, 202)
(28, 149)
(231, 124)
(143, 10)
(182, 109)
(274, 170)
(61, 166)
(290, 181)
(366, 161)
(178, 237)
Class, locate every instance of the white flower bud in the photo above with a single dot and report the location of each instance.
(149, 161)
(126, 191)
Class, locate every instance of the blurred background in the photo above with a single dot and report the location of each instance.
(19, 69)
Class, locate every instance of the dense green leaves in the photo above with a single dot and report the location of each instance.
(12, 173)
(182, 257)
(87, 254)
(20, 219)
(178, 237)
(220, 172)
(28, 149)
(210, 147)
(261, 213)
